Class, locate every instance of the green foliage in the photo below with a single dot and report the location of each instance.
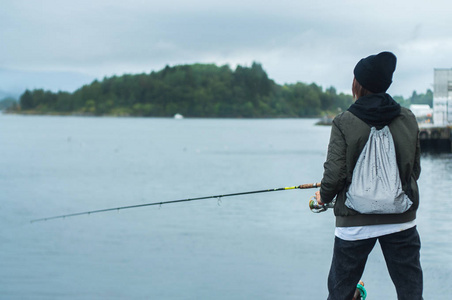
(426, 98)
(27, 100)
(197, 90)
(416, 98)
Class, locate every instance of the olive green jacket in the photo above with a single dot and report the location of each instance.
(349, 135)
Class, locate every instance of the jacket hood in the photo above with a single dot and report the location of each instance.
(376, 109)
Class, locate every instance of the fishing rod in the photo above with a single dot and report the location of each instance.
(303, 186)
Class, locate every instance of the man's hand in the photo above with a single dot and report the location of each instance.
(317, 198)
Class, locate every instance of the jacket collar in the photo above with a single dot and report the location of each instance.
(376, 109)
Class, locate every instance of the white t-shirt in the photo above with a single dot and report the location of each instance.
(370, 231)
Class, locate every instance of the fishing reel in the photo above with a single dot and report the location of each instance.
(360, 292)
(316, 207)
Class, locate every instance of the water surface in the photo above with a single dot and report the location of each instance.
(263, 246)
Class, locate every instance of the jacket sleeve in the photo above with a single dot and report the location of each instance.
(335, 171)
(417, 160)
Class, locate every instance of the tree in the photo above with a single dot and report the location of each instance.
(26, 101)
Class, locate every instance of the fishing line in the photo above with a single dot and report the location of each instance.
(303, 186)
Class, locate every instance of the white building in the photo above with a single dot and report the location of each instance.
(423, 112)
(442, 97)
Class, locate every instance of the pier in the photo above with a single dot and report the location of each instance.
(435, 133)
(435, 138)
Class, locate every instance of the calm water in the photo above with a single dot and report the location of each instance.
(264, 246)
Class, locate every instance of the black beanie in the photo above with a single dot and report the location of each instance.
(374, 72)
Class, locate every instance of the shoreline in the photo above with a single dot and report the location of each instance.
(80, 114)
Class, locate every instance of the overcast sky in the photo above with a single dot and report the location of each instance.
(307, 41)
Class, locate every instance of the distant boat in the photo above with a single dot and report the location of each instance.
(325, 120)
(178, 116)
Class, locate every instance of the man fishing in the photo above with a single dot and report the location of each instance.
(371, 171)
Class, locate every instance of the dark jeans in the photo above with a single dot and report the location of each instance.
(401, 252)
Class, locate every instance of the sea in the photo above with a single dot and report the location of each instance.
(256, 246)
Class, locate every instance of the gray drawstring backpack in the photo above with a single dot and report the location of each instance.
(376, 187)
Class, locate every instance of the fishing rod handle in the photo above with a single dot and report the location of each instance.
(309, 185)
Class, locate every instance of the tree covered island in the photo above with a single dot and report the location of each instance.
(197, 90)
